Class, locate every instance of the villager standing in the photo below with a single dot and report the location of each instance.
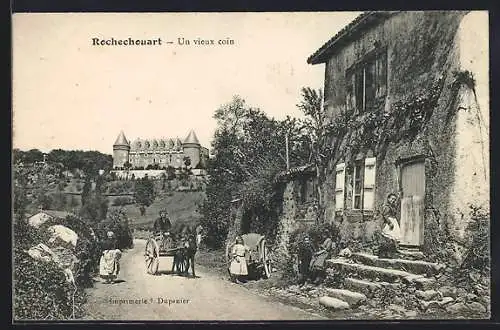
(109, 266)
(305, 254)
(390, 233)
(238, 267)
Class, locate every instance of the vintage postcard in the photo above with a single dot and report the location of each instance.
(251, 166)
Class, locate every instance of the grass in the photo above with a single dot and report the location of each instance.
(182, 207)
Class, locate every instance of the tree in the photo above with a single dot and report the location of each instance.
(187, 161)
(322, 136)
(144, 193)
(249, 150)
(87, 187)
(170, 173)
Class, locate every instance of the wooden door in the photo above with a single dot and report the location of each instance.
(412, 203)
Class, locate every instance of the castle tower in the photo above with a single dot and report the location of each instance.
(191, 147)
(121, 149)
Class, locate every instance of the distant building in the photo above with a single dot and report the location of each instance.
(160, 153)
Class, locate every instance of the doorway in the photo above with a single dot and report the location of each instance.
(412, 203)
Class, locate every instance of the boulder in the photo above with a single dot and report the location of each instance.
(448, 291)
(410, 314)
(43, 253)
(457, 308)
(471, 297)
(351, 297)
(446, 301)
(396, 308)
(38, 219)
(476, 307)
(63, 233)
(427, 295)
(430, 304)
(333, 303)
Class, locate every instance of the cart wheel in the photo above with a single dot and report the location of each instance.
(265, 260)
(152, 257)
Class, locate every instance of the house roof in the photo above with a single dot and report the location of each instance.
(294, 171)
(192, 138)
(121, 140)
(360, 23)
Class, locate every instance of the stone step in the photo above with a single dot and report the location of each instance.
(378, 274)
(413, 266)
(412, 254)
(351, 297)
(366, 287)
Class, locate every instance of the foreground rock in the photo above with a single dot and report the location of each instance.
(333, 303)
(352, 298)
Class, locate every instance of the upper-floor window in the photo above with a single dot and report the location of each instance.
(367, 81)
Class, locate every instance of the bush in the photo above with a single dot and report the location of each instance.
(121, 201)
(86, 250)
(118, 223)
(477, 256)
(40, 289)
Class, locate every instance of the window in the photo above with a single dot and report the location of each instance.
(364, 184)
(358, 182)
(367, 81)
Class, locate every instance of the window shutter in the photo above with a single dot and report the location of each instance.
(339, 186)
(382, 75)
(369, 183)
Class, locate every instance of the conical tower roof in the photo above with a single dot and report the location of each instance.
(121, 140)
(192, 138)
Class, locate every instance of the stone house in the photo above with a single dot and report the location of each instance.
(407, 93)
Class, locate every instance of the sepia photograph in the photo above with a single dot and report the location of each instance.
(251, 166)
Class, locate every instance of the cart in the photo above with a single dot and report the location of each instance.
(159, 246)
(258, 262)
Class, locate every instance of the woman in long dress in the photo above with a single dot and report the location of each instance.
(390, 233)
(109, 265)
(238, 267)
(319, 258)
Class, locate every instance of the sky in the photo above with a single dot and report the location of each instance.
(70, 94)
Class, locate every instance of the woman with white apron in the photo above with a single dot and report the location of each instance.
(390, 233)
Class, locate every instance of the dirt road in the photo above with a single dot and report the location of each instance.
(140, 296)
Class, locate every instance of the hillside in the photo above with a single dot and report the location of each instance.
(181, 206)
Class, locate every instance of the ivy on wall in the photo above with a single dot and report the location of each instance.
(376, 129)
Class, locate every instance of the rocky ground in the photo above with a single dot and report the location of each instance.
(445, 301)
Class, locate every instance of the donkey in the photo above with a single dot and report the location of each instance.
(190, 248)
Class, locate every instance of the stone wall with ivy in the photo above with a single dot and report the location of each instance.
(419, 117)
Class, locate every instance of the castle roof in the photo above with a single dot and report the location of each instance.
(121, 140)
(192, 138)
(171, 144)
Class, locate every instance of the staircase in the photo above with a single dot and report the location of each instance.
(354, 280)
